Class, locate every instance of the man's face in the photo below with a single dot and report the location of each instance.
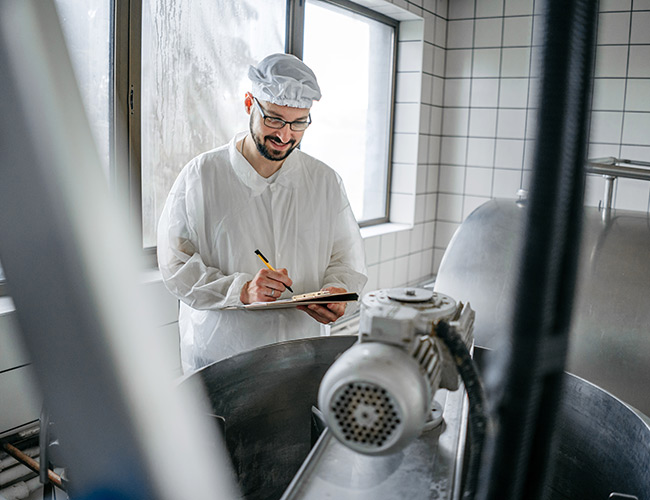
(276, 144)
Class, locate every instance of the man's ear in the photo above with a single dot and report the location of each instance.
(248, 102)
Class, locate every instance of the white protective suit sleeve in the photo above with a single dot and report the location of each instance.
(183, 270)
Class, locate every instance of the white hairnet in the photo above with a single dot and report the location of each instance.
(285, 80)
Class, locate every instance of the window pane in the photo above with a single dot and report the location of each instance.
(195, 58)
(87, 31)
(351, 123)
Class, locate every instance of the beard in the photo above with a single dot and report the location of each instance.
(268, 153)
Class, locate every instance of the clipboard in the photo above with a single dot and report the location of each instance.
(320, 297)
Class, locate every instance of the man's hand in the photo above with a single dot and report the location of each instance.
(266, 286)
(327, 313)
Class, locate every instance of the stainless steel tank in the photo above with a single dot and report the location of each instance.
(266, 396)
(610, 334)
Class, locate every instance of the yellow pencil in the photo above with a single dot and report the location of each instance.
(266, 263)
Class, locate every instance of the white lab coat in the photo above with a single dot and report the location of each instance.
(218, 212)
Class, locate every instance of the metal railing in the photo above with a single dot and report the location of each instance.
(612, 168)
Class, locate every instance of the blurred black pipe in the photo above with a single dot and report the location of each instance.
(523, 378)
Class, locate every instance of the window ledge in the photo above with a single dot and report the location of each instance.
(379, 229)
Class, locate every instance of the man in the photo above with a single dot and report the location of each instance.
(258, 192)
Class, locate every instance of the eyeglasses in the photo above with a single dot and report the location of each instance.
(277, 123)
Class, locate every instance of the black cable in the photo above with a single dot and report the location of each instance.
(478, 416)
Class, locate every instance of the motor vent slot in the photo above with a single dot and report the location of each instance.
(367, 416)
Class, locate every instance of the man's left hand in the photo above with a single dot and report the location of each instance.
(326, 313)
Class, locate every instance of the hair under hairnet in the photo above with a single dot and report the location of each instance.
(285, 80)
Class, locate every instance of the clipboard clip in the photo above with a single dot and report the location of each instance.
(311, 295)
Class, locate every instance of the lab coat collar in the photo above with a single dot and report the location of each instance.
(249, 176)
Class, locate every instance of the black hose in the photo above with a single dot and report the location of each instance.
(478, 417)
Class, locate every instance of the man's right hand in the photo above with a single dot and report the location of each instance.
(266, 286)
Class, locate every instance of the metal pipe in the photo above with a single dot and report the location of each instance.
(524, 376)
(33, 464)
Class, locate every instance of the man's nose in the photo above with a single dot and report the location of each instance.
(284, 133)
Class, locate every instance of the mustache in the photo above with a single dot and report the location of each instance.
(278, 141)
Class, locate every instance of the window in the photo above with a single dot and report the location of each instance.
(194, 65)
(179, 70)
(351, 131)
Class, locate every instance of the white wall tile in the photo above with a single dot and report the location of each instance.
(407, 118)
(444, 232)
(603, 150)
(471, 203)
(613, 28)
(486, 62)
(455, 121)
(480, 152)
(489, 8)
(638, 95)
(21, 400)
(453, 150)
(607, 5)
(516, 62)
(517, 31)
(371, 246)
(459, 63)
(450, 207)
(611, 61)
(511, 124)
(478, 181)
(416, 243)
(609, 94)
(421, 181)
(452, 179)
(606, 126)
(518, 7)
(402, 208)
(639, 4)
(434, 149)
(415, 267)
(640, 24)
(426, 92)
(485, 92)
(513, 93)
(632, 194)
(438, 91)
(441, 32)
(639, 61)
(435, 123)
(460, 34)
(438, 254)
(509, 153)
(405, 148)
(407, 88)
(387, 247)
(439, 62)
(423, 149)
(459, 9)
(386, 278)
(639, 153)
(428, 56)
(403, 178)
(488, 32)
(429, 27)
(402, 240)
(430, 207)
(457, 91)
(483, 122)
(506, 183)
(420, 208)
(429, 234)
(442, 8)
(433, 171)
(409, 56)
(401, 271)
(12, 353)
(636, 128)
(411, 30)
(373, 279)
(425, 119)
